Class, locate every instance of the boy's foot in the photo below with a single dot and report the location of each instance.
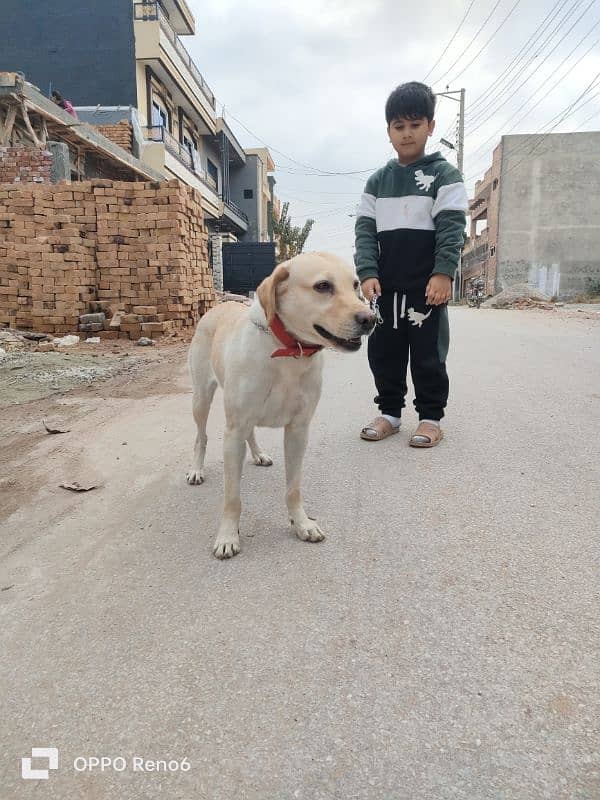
(428, 434)
(379, 428)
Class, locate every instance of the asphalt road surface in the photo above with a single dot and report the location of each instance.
(443, 642)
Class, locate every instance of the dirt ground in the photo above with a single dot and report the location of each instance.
(61, 387)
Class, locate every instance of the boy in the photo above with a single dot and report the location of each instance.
(409, 235)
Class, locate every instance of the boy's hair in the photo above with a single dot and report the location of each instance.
(57, 95)
(410, 100)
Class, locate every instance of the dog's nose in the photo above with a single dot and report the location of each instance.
(365, 319)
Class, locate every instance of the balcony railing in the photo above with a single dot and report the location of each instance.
(236, 210)
(191, 160)
(151, 12)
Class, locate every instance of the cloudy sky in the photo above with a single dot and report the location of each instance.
(310, 79)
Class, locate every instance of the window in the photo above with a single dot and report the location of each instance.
(189, 144)
(159, 115)
(495, 184)
(492, 249)
(248, 194)
(212, 170)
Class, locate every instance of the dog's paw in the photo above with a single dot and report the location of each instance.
(308, 531)
(195, 477)
(226, 546)
(262, 460)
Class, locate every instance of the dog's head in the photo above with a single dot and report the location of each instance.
(317, 297)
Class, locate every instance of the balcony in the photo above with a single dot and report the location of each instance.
(153, 33)
(235, 215)
(190, 160)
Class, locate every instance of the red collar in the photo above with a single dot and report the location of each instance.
(292, 346)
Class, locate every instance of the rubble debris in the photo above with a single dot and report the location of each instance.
(55, 430)
(66, 341)
(75, 486)
(521, 295)
(144, 341)
(36, 337)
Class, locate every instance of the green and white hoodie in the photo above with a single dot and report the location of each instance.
(411, 223)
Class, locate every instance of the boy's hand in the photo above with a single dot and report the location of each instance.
(439, 290)
(371, 287)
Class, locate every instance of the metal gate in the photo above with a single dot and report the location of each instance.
(245, 265)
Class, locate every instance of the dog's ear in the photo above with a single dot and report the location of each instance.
(267, 291)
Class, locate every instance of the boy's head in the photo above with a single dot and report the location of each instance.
(409, 113)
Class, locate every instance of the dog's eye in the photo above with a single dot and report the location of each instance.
(324, 287)
(356, 285)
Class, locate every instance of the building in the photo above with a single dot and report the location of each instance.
(253, 185)
(127, 57)
(41, 143)
(535, 215)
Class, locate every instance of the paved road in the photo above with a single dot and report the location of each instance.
(442, 643)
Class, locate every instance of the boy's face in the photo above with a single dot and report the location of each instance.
(409, 137)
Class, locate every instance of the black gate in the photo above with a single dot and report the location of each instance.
(246, 264)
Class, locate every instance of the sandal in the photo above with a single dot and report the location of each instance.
(379, 428)
(426, 435)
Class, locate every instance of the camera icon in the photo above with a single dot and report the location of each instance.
(29, 774)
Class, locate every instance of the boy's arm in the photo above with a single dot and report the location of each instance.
(449, 216)
(366, 256)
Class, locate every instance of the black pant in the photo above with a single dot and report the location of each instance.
(410, 326)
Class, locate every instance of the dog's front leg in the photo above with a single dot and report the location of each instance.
(295, 441)
(227, 543)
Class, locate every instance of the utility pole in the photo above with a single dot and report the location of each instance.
(459, 146)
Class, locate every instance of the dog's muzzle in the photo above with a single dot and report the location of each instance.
(364, 323)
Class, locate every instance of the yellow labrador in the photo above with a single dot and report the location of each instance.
(267, 359)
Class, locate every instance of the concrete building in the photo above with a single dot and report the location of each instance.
(535, 215)
(253, 186)
(125, 56)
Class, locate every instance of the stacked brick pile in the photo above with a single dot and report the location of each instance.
(137, 252)
(119, 133)
(153, 251)
(47, 256)
(20, 164)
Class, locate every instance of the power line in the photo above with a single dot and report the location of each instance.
(485, 22)
(591, 117)
(481, 122)
(453, 37)
(563, 115)
(554, 85)
(485, 95)
(315, 170)
(480, 51)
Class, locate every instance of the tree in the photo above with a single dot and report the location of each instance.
(290, 238)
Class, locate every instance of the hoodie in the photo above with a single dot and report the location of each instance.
(411, 223)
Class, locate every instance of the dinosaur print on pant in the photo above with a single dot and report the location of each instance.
(416, 318)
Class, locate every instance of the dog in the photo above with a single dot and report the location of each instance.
(268, 359)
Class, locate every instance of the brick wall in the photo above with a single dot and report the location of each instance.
(21, 164)
(119, 133)
(67, 245)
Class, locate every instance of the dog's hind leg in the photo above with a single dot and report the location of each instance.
(205, 384)
(260, 459)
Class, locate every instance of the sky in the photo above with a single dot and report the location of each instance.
(310, 80)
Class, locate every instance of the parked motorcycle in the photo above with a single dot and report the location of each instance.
(475, 294)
